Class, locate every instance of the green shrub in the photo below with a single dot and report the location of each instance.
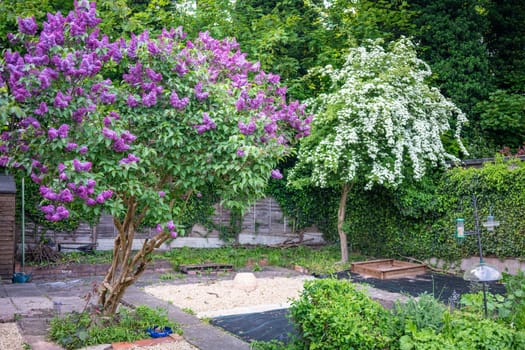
(423, 312)
(333, 314)
(509, 309)
(473, 303)
(76, 330)
(512, 309)
(484, 334)
(462, 331)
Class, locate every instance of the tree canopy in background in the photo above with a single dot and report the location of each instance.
(474, 47)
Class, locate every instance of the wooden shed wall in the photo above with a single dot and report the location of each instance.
(264, 217)
(7, 235)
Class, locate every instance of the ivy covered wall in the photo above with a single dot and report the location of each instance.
(418, 219)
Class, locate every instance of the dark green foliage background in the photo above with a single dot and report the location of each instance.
(418, 219)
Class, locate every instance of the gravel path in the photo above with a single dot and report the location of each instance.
(10, 337)
(214, 298)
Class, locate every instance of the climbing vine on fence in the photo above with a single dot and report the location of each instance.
(418, 219)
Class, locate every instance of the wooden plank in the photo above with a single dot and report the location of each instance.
(387, 268)
(205, 268)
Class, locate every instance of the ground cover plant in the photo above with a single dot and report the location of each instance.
(138, 128)
(316, 260)
(78, 329)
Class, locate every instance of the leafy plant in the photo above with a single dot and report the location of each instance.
(334, 314)
(473, 303)
(189, 311)
(166, 276)
(425, 311)
(512, 310)
(76, 330)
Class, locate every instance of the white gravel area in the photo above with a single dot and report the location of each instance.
(220, 298)
(10, 337)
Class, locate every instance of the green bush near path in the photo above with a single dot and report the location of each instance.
(334, 314)
(79, 329)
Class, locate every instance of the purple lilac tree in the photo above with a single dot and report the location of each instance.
(138, 127)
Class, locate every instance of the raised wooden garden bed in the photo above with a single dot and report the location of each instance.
(387, 268)
(205, 268)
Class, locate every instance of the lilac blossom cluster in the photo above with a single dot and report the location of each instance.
(169, 227)
(30, 76)
(121, 143)
(131, 158)
(207, 124)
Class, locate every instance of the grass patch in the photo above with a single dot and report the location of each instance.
(95, 257)
(319, 260)
(77, 330)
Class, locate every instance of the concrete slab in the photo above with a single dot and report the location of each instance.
(64, 305)
(207, 337)
(33, 326)
(7, 310)
(387, 299)
(31, 306)
(22, 290)
(40, 343)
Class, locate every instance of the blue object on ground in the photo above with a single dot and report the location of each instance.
(159, 332)
(21, 277)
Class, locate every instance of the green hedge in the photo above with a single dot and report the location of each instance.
(418, 219)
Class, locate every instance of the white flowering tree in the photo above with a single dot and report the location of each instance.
(380, 124)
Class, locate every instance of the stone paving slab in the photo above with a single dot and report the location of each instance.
(40, 343)
(22, 290)
(7, 310)
(31, 306)
(33, 326)
(64, 305)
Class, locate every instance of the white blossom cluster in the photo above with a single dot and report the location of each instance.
(381, 121)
